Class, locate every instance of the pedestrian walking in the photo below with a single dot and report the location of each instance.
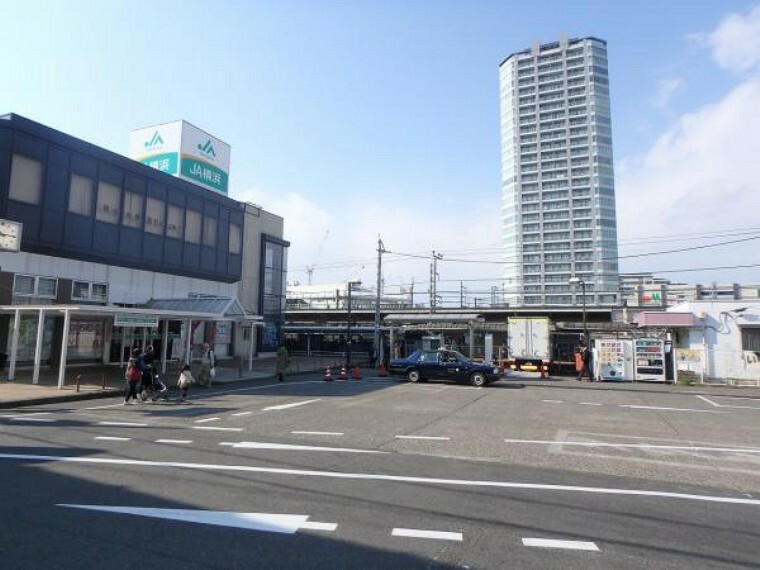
(133, 376)
(281, 365)
(207, 368)
(585, 364)
(184, 382)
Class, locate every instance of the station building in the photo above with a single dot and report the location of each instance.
(100, 253)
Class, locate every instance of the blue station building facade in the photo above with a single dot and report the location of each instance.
(115, 254)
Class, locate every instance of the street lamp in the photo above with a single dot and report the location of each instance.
(350, 286)
(582, 283)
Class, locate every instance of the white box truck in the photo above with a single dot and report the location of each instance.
(528, 346)
(534, 346)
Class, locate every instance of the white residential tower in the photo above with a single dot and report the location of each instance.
(558, 191)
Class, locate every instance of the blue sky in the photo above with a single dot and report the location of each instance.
(358, 119)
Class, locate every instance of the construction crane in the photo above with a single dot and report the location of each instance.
(310, 268)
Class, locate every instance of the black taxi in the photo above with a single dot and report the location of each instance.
(443, 365)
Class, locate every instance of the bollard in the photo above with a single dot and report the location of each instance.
(103, 381)
(79, 377)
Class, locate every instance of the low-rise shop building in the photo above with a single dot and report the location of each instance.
(104, 253)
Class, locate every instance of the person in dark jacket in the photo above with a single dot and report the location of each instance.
(585, 354)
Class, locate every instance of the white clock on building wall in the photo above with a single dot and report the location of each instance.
(10, 235)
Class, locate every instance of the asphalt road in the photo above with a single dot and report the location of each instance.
(309, 474)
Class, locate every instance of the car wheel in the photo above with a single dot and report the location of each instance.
(413, 376)
(478, 379)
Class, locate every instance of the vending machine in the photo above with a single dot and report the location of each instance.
(614, 359)
(649, 360)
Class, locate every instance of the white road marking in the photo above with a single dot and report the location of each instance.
(553, 401)
(109, 438)
(635, 407)
(567, 544)
(381, 477)
(731, 405)
(738, 398)
(266, 387)
(435, 534)
(285, 524)
(318, 432)
(214, 428)
(328, 527)
(119, 405)
(36, 420)
(288, 447)
(37, 414)
(203, 421)
(709, 401)
(293, 405)
(242, 414)
(591, 404)
(431, 437)
(177, 441)
(122, 424)
(636, 445)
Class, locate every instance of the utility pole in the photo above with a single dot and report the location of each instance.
(350, 287)
(434, 281)
(378, 343)
(461, 294)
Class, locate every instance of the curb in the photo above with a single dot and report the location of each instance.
(56, 399)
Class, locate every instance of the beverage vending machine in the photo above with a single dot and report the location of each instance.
(649, 359)
(614, 359)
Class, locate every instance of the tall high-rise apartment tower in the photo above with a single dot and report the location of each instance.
(558, 190)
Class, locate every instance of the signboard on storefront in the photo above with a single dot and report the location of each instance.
(135, 320)
(184, 151)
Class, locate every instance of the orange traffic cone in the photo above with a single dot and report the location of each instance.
(342, 375)
(328, 375)
(356, 373)
(382, 372)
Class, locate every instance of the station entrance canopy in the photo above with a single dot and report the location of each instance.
(189, 309)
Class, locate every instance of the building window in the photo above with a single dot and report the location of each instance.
(272, 294)
(26, 180)
(209, 231)
(29, 285)
(23, 285)
(99, 292)
(47, 287)
(80, 290)
(81, 190)
(175, 225)
(109, 197)
(154, 216)
(193, 226)
(132, 210)
(86, 291)
(235, 238)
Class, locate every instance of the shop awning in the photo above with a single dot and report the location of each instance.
(669, 319)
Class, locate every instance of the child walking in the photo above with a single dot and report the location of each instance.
(185, 379)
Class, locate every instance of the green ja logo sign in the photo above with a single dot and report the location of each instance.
(154, 141)
(207, 149)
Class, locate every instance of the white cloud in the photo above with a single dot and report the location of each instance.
(736, 42)
(341, 242)
(699, 176)
(667, 88)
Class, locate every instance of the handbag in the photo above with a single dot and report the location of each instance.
(212, 372)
